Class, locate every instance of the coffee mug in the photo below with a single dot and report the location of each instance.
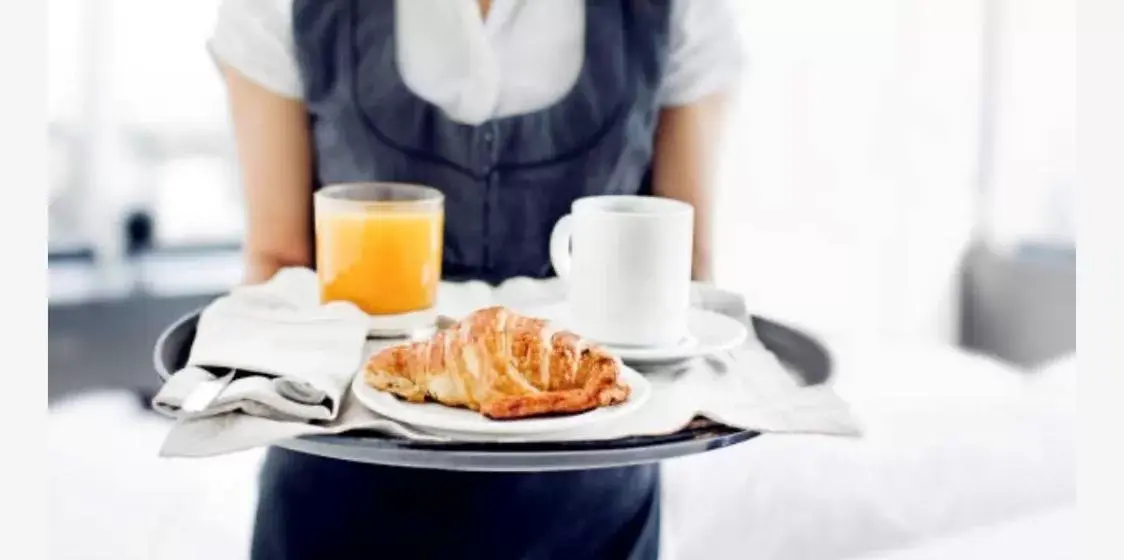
(627, 263)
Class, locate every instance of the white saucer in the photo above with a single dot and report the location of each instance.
(708, 332)
(450, 419)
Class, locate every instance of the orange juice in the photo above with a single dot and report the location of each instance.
(386, 262)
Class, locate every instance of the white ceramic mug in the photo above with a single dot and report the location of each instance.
(627, 263)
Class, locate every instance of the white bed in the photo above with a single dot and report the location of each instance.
(953, 444)
(963, 458)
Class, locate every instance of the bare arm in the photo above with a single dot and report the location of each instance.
(687, 139)
(274, 154)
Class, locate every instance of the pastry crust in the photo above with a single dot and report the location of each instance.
(502, 365)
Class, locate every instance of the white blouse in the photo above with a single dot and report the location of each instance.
(524, 56)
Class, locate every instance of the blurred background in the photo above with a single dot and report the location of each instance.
(898, 174)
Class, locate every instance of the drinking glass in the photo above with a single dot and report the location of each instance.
(378, 245)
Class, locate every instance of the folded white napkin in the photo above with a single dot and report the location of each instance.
(269, 350)
(747, 388)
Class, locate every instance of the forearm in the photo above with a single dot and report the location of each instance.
(274, 155)
(697, 194)
(687, 139)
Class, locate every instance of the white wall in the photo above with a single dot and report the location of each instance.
(1033, 162)
(849, 174)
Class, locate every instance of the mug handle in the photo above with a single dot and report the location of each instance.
(560, 246)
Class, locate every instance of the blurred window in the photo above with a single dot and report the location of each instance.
(140, 141)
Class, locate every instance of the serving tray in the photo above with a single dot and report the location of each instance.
(801, 353)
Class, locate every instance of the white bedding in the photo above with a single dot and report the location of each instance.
(111, 497)
(952, 442)
(1044, 535)
(961, 454)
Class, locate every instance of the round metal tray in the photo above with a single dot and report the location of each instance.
(803, 355)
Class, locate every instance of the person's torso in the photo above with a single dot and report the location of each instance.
(508, 180)
(478, 66)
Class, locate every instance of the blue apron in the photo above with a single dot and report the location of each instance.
(506, 183)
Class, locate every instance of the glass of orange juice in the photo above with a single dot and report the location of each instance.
(378, 245)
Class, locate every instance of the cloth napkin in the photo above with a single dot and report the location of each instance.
(747, 388)
(271, 351)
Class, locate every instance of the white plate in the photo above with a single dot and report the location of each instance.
(708, 332)
(452, 419)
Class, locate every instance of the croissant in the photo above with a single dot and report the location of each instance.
(502, 365)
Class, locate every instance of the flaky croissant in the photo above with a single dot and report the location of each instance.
(503, 365)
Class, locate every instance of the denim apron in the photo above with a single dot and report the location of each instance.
(506, 182)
